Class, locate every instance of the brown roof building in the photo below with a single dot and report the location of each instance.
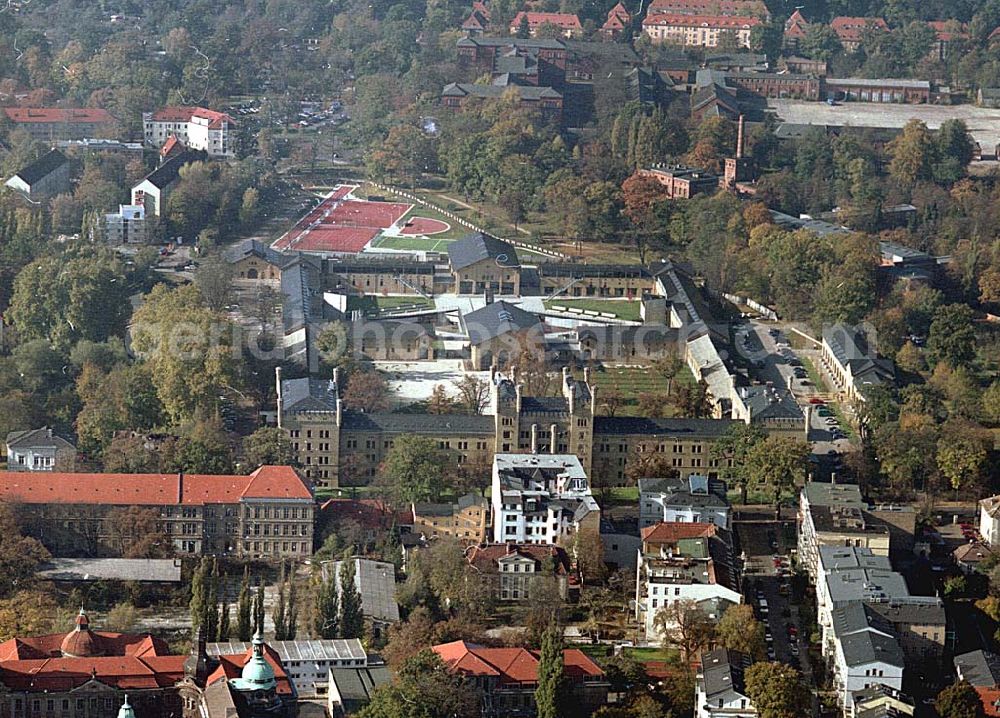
(517, 570)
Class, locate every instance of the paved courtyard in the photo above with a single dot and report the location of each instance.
(983, 122)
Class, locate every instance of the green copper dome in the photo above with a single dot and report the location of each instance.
(126, 710)
(257, 673)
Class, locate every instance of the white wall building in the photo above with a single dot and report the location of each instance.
(865, 653)
(696, 499)
(307, 662)
(719, 690)
(200, 129)
(541, 498)
(989, 520)
(126, 226)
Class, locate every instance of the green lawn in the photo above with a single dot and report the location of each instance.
(372, 304)
(415, 244)
(631, 383)
(623, 309)
(621, 495)
(814, 376)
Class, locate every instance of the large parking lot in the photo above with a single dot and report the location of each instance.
(983, 122)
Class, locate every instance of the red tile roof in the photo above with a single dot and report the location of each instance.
(183, 113)
(618, 18)
(943, 30)
(991, 700)
(744, 8)
(511, 665)
(849, 29)
(369, 513)
(796, 25)
(150, 489)
(484, 558)
(231, 666)
(669, 532)
(109, 644)
(710, 21)
(536, 19)
(62, 674)
(58, 114)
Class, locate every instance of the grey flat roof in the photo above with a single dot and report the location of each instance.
(156, 570)
(668, 428)
(980, 668)
(340, 649)
(860, 82)
(376, 582)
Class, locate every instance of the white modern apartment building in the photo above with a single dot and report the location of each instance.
(199, 129)
(684, 561)
(865, 653)
(696, 499)
(126, 226)
(541, 498)
(836, 515)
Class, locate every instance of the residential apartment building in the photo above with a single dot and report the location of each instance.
(739, 8)
(567, 23)
(126, 226)
(465, 520)
(152, 192)
(684, 562)
(44, 178)
(508, 677)
(265, 515)
(52, 124)
(850, 30)
(39, 450)
(698, 30)
(989, 520)
(545, 100)
(198, 128)
(719, 689)
(696, 499)
(541, 498)
(864, 653)
(519, 571)
(853, 361)
(307, 663)
(835, 515)
(773, 409)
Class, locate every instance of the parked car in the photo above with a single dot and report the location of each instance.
(817, 401)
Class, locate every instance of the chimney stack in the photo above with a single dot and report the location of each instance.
(534, 438)
(739, 139)
(277, 385)
(553, 436)
(180, 487)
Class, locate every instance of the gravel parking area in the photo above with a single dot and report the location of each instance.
(983, 122)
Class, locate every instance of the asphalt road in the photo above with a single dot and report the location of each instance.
(762, 541)
(773, 360)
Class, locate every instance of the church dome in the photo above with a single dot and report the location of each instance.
(258, 673)
(81, 641)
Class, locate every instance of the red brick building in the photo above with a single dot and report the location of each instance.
(683, 182)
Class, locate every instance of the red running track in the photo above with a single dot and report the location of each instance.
(341, 224)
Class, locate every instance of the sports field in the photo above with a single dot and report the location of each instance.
(342, 224)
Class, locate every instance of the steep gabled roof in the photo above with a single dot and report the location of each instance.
(510, 665)
(476, 247)
(42, 167)
(497, 319)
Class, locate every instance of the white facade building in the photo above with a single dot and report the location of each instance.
(126, 226)
(719, 691)
(989, 520)
(307, 662)
(200, 129)
(696, 499)
(865, 653)
(541, 498)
